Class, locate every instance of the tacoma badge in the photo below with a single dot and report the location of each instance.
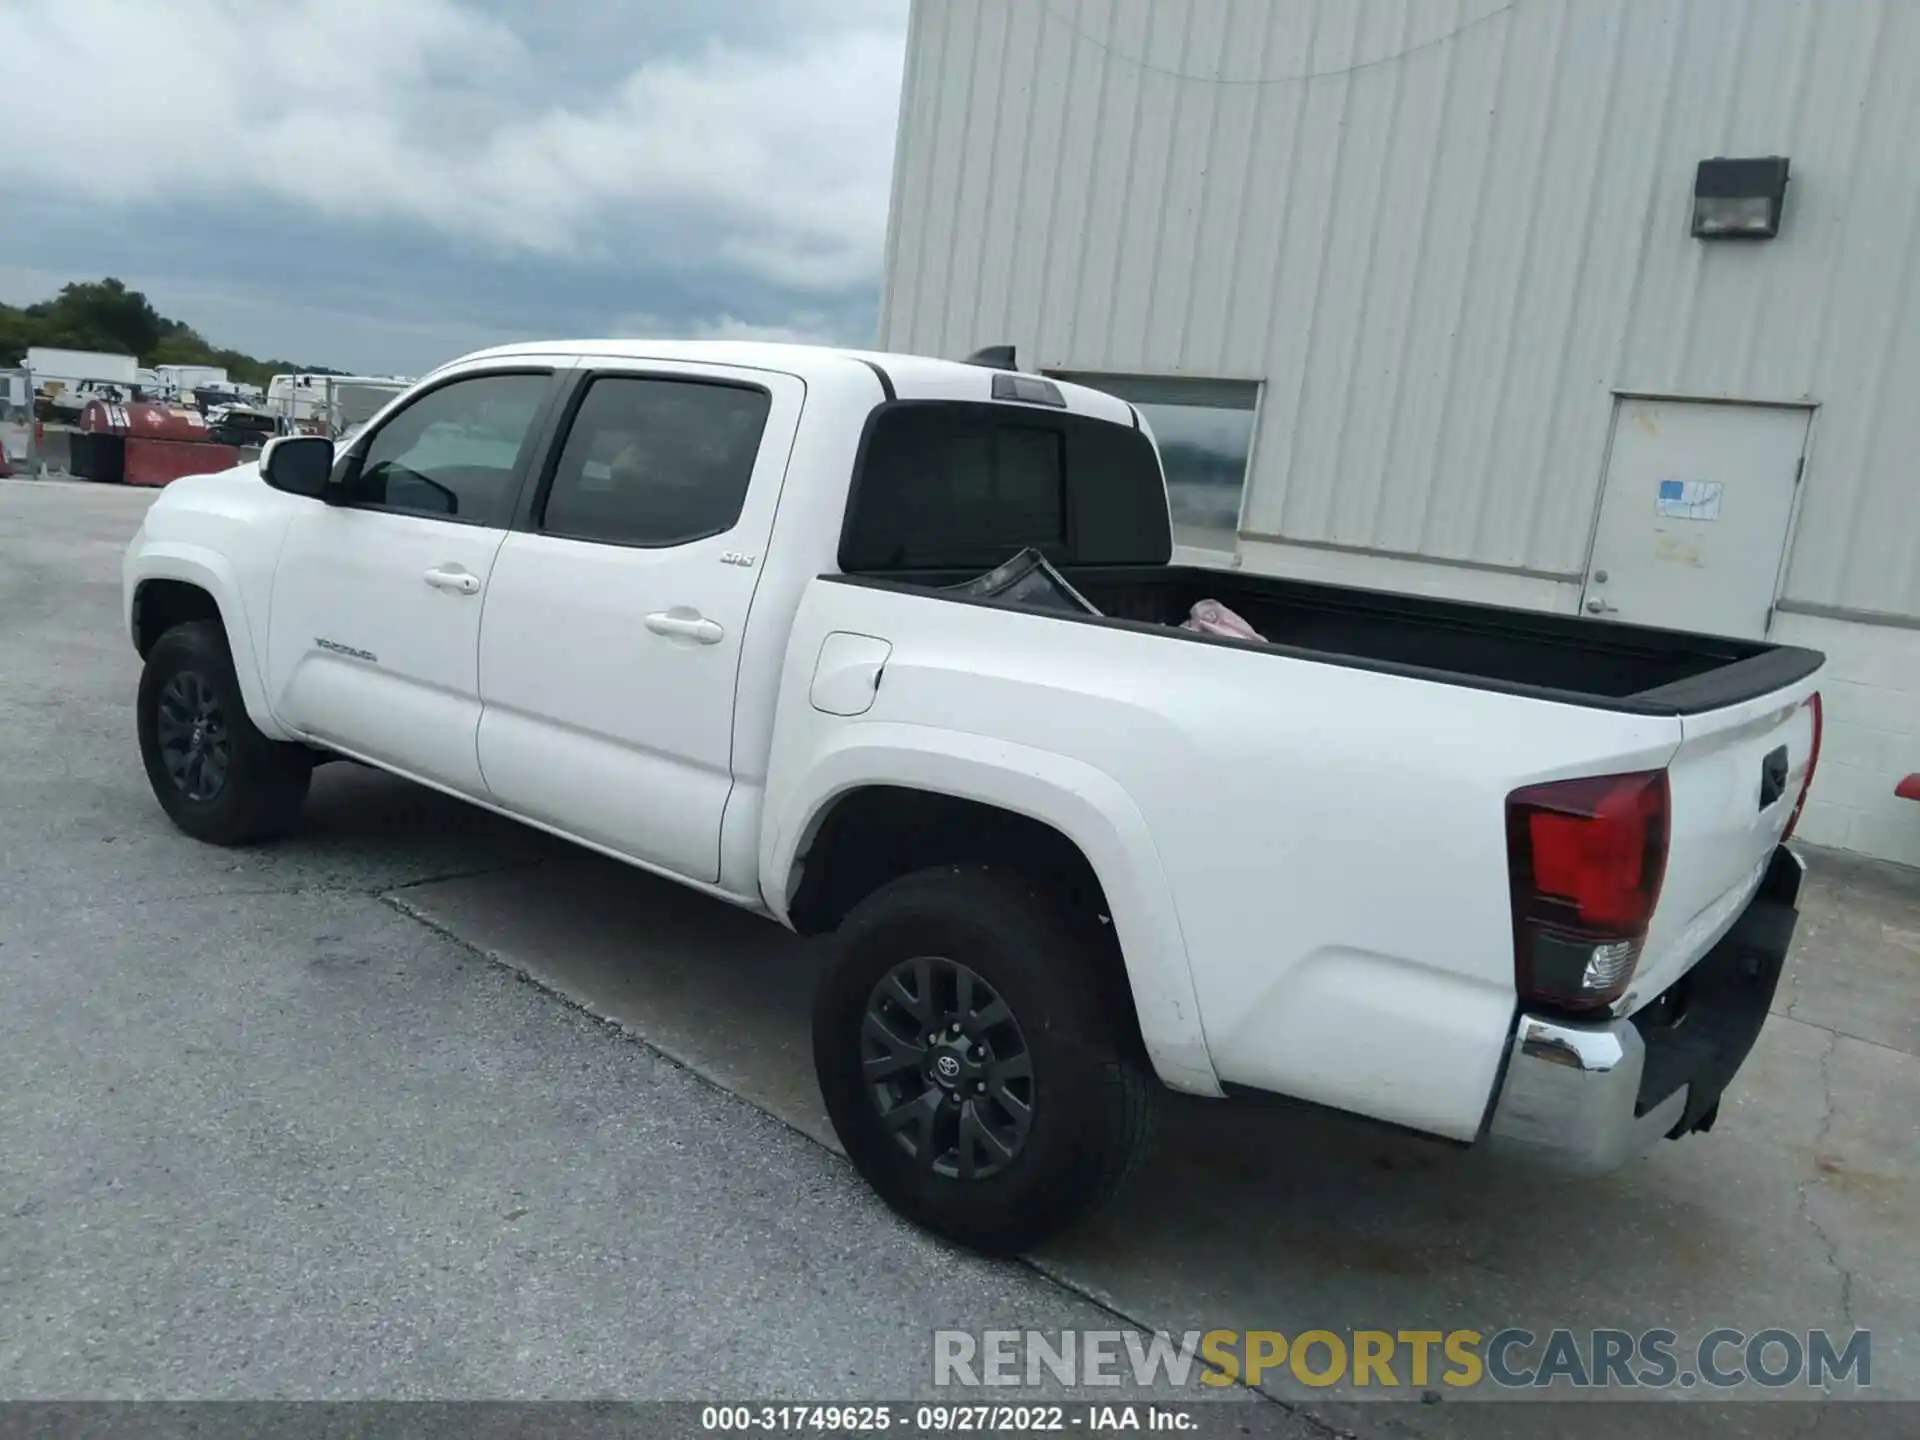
(339, 649)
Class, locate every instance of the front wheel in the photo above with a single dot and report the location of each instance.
(972, 1065)
(217, 777)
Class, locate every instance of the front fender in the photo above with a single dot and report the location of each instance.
(1085, 804)
(212, 572)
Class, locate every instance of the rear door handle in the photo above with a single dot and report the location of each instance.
(683, 624)
(452, 577)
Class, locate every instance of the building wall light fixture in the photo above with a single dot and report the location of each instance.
(1739, 199)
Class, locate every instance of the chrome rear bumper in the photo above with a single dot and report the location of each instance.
(1589, 1096)
(1570, 1092)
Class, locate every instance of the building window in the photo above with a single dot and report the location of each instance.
(1205, 432)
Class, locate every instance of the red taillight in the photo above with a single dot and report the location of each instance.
(1585, 859)
(1813, 759)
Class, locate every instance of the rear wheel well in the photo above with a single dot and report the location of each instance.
(882, 832)
(159, 605)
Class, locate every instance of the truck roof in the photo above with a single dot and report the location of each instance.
(911, 377)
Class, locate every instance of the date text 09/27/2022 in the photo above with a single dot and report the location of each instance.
(943, 1419)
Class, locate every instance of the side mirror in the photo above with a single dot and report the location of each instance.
(298, 464)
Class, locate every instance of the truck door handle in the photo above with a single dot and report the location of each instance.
(686, 624)
(1600, 607)
(452, 577)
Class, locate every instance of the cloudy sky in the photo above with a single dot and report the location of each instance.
(380, 184)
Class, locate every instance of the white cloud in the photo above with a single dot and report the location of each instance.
(806, 328)
(776, 159)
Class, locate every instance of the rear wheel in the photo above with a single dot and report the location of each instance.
(972, 1065)
(217, 777)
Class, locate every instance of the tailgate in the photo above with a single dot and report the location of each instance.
(1735, 782)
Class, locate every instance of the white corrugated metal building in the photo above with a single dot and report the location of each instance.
(1410, 292)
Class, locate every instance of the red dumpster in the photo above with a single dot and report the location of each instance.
(143, 444)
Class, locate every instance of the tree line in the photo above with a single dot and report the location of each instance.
(106, 315)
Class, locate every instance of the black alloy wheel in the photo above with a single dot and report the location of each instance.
(976, 1058)
(195, 746)
(213, 772)
(948, 1068)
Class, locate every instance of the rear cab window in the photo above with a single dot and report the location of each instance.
(949, 485)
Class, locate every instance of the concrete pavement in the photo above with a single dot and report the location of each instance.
(1798, 1210)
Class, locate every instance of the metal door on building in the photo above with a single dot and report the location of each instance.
(18, 448)
(1694, 514)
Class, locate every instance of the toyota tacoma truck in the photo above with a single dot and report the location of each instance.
(1506, 878)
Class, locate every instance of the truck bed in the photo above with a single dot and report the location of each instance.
(1559, 657)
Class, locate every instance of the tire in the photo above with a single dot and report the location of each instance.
(246, 787)
(1090, 1097)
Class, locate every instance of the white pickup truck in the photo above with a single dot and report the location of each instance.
(1500, 877)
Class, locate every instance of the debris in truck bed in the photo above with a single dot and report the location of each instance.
(1210, 617)
(1026, 579)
